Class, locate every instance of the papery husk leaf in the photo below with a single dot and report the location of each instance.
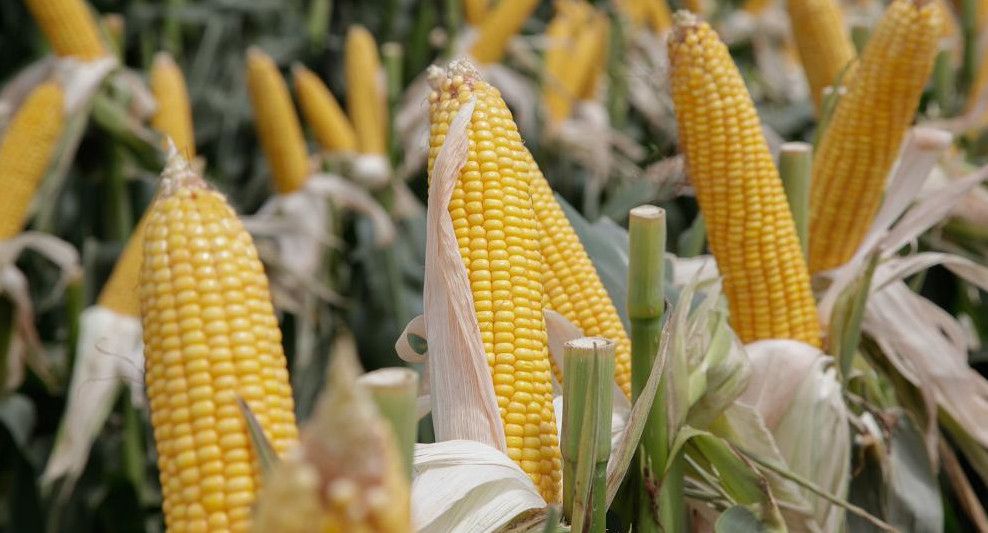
(110, 354)
(82, 79)
(408, 347)
(559, 331)
(962, 489)
(463, 402)
(463, 486)
(726, 370)
(345, 194)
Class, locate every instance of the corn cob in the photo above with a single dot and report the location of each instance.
(210, 336)
(498, 232)
(599, 30)
(322, 112)
(25, 153)
(121, 291)
(173, 117)
(749, 225)
(659, 15)
(635, 11)
(570, 281)
(950, 27)
(559, 34)
(501, 24)
(863, 137)
(476, 11)
(276, 123)
(824, 44)
(365, 96)
(69, 26)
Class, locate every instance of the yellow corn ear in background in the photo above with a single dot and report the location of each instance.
(824, 44)
(755, 7)
(121, 292)
(862, 140)
(502, 23)
(173, 117)
(570, 280)
(749, 225)
(475, 11)
(210, 336)
(660, 15)
(322, 112)
(498, 234)
(276, 123)
(559, 36)
(365, 96)
(596, 59)
(575, 63)
(69, 26)
(26, 150)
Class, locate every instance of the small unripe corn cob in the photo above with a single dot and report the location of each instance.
(500, 25)
(69, 26)
(322, 112)
(276, 123)
(824, 44)
(572, 286)
(749, 225)
(210, 336)
(121, 293)
(475, 11)
(173, 117)
(25, 153)
(498, 233)
(365, 96)
(863, 137)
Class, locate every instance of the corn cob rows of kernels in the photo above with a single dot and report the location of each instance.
(210, 336)
(498, 234)
(365, 94)
(863, 138)
(824, 44)
(501, 23)
(322, 112)
(749, 225)
(69, 26)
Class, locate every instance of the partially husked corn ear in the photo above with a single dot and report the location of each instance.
(173, 117)
(475, 11)
(121, 293)
(570, 280)
(498, 234)
(322, 112)
(276, 123)
(824, 44)
(26, 151)
(210, 336)
(500, 25)
(862, 139)
(365, 96)
(69, 26)
(749, 225)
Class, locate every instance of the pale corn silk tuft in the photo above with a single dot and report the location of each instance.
(210, 336)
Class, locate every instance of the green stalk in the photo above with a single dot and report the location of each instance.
(319, 13)
(944, 85)
(133, 445)
(75, 298)
(646, 303)
(6, 334)
(394, 391)
(588, 371)
(173, 27)
(617, 90)
(796, 170)
(454, 19)
(969, 30)
(393, 56)
(118, 212)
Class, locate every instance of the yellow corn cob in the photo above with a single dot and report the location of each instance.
(636, 11)
(322, 112)
(25, 153)
(749, 225)
(69, 26)
(210, 336)
(572, 286)
(475, 11)
(659, 15)
(173, 117)
(755, 7)
(365, 96)
(500, 25)
(862, 141)
(276, 123)
(498, 234)
(950, 26)
(572, 72)
(559, 34)
(121, 293)
(824, 44)
(599, 31)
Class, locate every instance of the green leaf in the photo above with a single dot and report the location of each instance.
(738, 519)
(266, 455)
(913, 490)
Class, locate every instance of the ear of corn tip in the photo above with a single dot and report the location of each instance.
(173, 116)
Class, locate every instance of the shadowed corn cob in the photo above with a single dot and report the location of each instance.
(69, 26)
(210, 336)
(749, 224)
(475, 11)
(173, 117)
(659, 15)
(498, 233)
(572, 71)
(25, 153)
(121, 293)
(365, 96)
(276, 123)
(863, 137)
(322, 112)
(499, 26)
(572, 286)
(824, 44)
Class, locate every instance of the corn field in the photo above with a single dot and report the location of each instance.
(493, 266)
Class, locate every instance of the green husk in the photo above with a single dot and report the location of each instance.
(796, 169)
